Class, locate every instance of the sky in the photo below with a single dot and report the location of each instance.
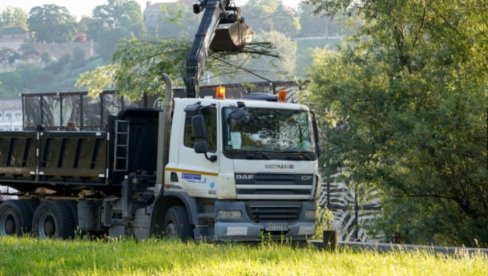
(85, 7)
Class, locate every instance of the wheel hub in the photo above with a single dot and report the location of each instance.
(10, 225)
(170, 230)
(47, 226)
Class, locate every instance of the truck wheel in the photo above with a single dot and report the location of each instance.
(32, 204)
(73, 207)
(53, 219)
(177, 224)
(15, 218)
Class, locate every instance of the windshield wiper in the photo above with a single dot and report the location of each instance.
(300, 155)
(257, 155)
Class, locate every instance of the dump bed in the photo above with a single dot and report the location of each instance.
(62, 155)
(72, 160)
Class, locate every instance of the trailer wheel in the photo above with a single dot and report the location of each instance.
(15, 218)
(177, 224)
(53, 219)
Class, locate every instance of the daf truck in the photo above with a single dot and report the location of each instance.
(203, 168)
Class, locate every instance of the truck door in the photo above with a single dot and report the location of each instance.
(195, 173)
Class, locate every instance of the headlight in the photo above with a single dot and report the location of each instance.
(310, 214)
(229, 214)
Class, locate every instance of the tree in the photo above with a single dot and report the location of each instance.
(52, 23)
(13, 20)
(276, 63)
(404, 109)
(8, 56)
(77, 58)
(119, 19)
(175, 20)
(28, 50)
(138, 67)
(322, 25)
(270, 15)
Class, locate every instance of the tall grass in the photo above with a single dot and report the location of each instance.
(27, 256)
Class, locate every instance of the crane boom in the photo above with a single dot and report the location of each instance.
(232, 37)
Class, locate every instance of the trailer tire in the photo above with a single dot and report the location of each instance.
(15, 218)
(53, 219)
(177, 224)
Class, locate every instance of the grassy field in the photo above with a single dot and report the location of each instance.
(28, 256)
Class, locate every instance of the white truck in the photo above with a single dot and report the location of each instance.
(204, 169)
(250, 168)
(210, 169)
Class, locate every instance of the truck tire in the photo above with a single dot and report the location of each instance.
(32, 204)
(53, 219)
(73, 207)
(15, 218)
(177, 224)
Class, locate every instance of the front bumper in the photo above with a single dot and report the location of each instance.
(245, 229)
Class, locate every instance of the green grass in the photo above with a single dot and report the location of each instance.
(28, 256)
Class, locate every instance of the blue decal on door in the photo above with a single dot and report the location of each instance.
(195, 178)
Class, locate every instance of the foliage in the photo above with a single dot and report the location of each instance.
(305, 52)
(270, 15)
(176, 20)
(404, 109)
(138, 66)
(114, 21)
(8, 56)
(313, 24)
(333, 7)
(325, 219)
(24, 79)
(98, 79)
(284, 66)
(28, 50)
(52, 23)
(77, 58)
(264, 61)
(31, 77)
(13, 20)
(159, 257)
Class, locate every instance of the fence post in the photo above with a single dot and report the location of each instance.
(330, 239)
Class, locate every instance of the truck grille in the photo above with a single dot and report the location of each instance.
(275, 212)
(274, 186)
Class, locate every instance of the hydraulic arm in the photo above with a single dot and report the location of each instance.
(221, 29)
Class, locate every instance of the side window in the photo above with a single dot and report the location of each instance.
(210, 115)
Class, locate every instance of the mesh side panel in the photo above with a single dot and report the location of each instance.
(51, 111)
(92, 114)
(32, 112)
(71, 111)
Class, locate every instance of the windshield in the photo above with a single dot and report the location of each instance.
(267, 133)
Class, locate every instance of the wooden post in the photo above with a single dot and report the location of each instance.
(330, 239)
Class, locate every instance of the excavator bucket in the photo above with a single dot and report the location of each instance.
(231, 37)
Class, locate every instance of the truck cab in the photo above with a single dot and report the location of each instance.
(243, 168)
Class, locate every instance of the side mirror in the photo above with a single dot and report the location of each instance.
(198, 126)
(200, 134)
(201, 146)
